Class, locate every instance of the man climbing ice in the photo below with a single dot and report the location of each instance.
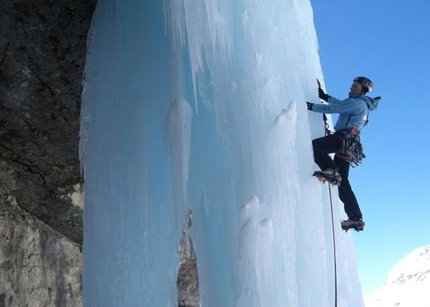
(345, 143)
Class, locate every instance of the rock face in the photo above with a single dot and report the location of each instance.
(188, 281)
(42, 58)
(38, 267)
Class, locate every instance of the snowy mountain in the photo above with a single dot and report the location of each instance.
(407, 284)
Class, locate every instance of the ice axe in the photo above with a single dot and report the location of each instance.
(326, 126)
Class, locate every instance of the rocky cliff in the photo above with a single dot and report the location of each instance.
(42, 58)
(38, 266)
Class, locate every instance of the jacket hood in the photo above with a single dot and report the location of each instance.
(372, 103)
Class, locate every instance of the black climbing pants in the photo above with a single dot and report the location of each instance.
(322, 148)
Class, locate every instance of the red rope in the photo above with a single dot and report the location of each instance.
(334, 247)
(328, 132)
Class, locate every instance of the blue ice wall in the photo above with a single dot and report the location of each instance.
(201, 104)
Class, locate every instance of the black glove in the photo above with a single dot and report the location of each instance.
(322, 95)
(310, 105)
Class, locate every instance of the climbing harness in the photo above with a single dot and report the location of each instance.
(352, 150)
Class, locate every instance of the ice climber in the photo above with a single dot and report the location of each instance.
(345, 143)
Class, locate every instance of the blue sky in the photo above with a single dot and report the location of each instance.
(387, 41)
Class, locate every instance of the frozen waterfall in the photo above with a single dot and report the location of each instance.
(201, 104)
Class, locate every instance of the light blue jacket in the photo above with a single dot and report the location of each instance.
(354, 111)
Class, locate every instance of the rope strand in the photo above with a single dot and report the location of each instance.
(334, 247)
(328, 132)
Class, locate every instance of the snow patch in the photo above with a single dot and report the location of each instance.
(407, 283)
